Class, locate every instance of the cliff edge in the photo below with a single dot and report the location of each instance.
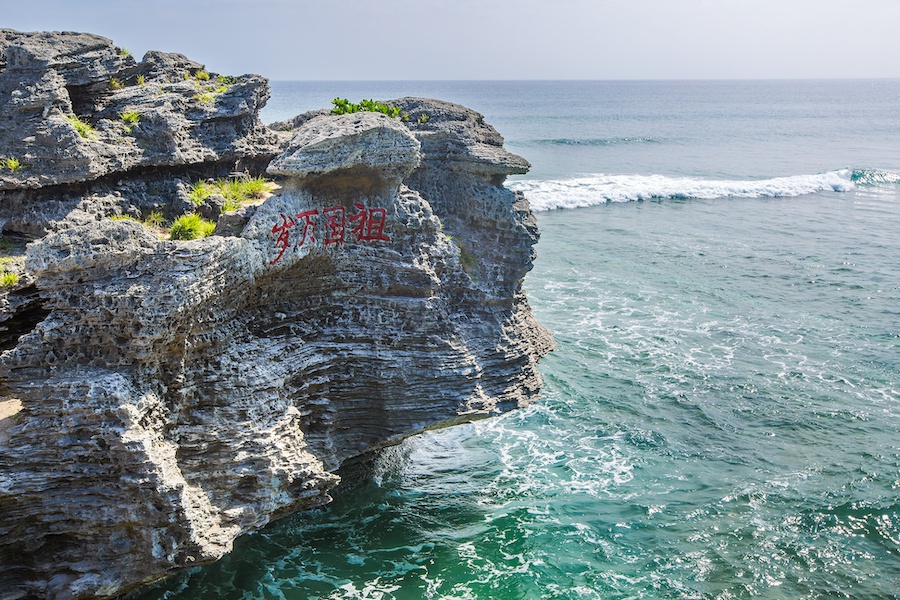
(168, 396)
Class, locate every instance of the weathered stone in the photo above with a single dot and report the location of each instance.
(170, 396)
(458, 138)
(289, 125)
(185, 116)
(234, 221)
(212, 207)
(359, 142)
(168, 67)
(81, 58)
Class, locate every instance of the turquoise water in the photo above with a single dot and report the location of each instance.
(722, 417)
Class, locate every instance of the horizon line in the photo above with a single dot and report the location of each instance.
(550, 80)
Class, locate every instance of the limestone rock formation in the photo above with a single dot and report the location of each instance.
(361, 142)
(172, 395)
(75, 108)
(52, 82)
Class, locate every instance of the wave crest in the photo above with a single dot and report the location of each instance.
(601, 189)
(874, 177)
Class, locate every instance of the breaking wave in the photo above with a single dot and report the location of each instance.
(874, 177)
(601, 189)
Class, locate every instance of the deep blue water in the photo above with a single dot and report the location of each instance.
(720, 264)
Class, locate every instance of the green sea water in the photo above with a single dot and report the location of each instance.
(720, 266)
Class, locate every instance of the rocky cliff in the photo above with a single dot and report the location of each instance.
(168, 396)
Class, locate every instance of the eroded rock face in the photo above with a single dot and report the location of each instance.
(184, 114)
(360, 142)
(175, 395)
(158, 116)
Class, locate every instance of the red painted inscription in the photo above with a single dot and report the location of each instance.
(366, 225)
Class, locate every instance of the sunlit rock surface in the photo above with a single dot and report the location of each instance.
(168, 396)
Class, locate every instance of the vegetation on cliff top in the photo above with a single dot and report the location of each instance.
(8, 279)
(84, 129)
(190, 227)
(235, 191)
(13, 164)
(342, 106)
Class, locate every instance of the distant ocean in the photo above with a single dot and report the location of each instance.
(720, 264)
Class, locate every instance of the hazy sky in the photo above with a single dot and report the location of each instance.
(495, 39)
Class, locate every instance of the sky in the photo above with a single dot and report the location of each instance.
(495, 39)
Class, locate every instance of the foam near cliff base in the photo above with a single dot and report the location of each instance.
(600, 189)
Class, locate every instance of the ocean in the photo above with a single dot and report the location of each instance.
(720, 265)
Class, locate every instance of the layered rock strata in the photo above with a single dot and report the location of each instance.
(82, 119)
(174, 395)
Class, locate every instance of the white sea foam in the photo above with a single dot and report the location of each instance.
(600, 189)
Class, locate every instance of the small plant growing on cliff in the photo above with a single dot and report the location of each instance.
(191, 227)
(342, 106)
(226, 80)
(199, 192)
(235, 191)
(12, 164)
(154, 219)
(423, 118)
(205, 98)
(115, 84)
(8, 279)
(246, 189)
(124, 51)
(141, 80)
(123, 218)
(84, 129)
(201, 75)
(238, 191)
(130, 119)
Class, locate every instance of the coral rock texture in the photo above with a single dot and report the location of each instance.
(169, 396)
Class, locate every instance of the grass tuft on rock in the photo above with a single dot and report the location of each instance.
(84, 129)
(12, 164)
(154, 219)
(191, 227)
(235, 191)
(8, 279)
(205, 98)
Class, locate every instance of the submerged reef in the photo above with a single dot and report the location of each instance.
(161, 397)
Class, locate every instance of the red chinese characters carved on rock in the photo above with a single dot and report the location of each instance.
(283, 241)
(366, 225)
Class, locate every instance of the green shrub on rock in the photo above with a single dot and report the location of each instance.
(205, 98)
(84, 129)
(154, 219)
(191, 227)
(130, 119)
(342, 106)
(235, 191)
(8, 279)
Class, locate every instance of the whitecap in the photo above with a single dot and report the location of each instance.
(600, 189)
